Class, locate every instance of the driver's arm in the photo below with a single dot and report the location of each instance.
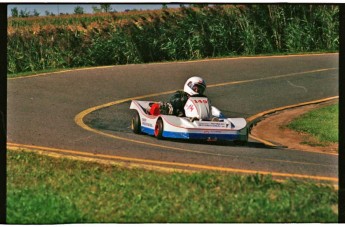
(178, 100)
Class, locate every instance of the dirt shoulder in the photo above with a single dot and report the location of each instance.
(273, 129)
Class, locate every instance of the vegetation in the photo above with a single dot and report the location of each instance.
(170, 34)
(320, 123)
(99, 15)
(45, 190)
(78, 10)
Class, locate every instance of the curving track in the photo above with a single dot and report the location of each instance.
(86, 112)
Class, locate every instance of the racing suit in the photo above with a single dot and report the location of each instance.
(176, 104)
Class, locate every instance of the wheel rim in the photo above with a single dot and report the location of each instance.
(156, 130)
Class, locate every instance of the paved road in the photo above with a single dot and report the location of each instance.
(42, 111)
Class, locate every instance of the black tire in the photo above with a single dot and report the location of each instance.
(136, 124)
(242, 141)
(159, 129)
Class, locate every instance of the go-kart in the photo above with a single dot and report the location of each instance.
(201, 121)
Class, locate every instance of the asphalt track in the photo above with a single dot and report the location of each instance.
(85, 113)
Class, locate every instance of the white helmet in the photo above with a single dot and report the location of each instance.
(195, 86)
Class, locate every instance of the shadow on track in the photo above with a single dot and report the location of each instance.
(250, 144)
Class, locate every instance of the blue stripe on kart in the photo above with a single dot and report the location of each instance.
(146, 130)
(179, 135)
(184, 135)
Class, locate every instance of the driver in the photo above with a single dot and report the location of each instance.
(194, 86)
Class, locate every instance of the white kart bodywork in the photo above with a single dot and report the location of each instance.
(202, 121)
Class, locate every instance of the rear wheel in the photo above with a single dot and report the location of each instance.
(159, 129)
(136, 124)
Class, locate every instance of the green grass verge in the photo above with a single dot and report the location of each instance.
(321, 123)
(45, 190)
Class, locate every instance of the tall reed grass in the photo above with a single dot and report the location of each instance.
(170, 34)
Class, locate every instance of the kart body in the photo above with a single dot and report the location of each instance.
(202, 121)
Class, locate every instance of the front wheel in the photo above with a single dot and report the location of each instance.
(136, 124)
(244, 138)
(159, 129)
(240, 142)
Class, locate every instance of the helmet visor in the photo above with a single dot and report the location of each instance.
(198, 88)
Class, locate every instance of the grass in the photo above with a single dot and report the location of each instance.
(322, 124)
(46, 190)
